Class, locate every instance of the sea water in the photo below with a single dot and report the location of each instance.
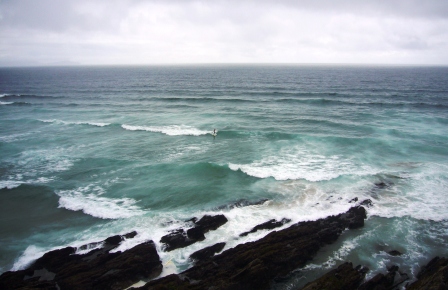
(91, 152)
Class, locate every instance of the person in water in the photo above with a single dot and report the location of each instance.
(214, 131)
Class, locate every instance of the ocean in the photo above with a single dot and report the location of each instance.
(91, 152)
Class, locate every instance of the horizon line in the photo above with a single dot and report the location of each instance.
(223, 64)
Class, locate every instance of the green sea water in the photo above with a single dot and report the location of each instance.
(90, 152)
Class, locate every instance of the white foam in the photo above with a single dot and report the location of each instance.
(239, 220)
(10, 184)
(89, 200)
(6, 103)
(171, 130)
(98, 124)
(14, 137)
(35, 162)
(295, 163)
(422, 195)
(30, 255)
(88, 247)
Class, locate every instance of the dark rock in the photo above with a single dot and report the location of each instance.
(434, 276)
(353, 200)
(91, 246)
(344, 277)
(362, 269)
(378, 282)
(390, 280)
(394, 253)
(115, 240)
(130, 235)
(381, 184)
(355, 217)
(196, 234)
(180, 239)
(55, 260)
(269, 225)
(192, 220)
(207, 252)
(98, 269)
(393, 268)
(176, 239)
(109, 243)
(254, 265)
(366, 203)
(208, 222)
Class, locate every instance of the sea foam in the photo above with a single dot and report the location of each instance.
(96, 205)
(31, 254)
(293, 164)
(98, 124)
(171, 130)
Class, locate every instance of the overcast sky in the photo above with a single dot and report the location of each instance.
(60, 32)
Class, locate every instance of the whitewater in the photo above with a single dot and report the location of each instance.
(91, 152)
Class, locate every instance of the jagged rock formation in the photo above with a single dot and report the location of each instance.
(254, 265)
(433, 276)
(98, 269)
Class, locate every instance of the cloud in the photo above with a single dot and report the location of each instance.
(192, 31)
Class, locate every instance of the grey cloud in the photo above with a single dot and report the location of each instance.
(156, 31)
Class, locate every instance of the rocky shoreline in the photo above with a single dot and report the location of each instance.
(253, 265)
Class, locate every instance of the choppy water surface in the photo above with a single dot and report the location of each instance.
(90, 152)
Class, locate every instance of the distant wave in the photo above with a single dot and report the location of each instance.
(203, 99)
(10, 184)
(171, 130)
(15, 103)
(358, 102)
(98, 124)
(297, 163)
(18, 96)
(86, 200)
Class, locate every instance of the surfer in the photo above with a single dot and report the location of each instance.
(214, 131)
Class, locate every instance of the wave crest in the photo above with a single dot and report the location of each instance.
(293, 165)
(171, 130)
(98, 206)
(97, 124)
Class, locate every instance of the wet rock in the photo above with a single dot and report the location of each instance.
(115, 240)
(98, 269)
(353, 200)
(344, 277)
(269, 225)
(176, 239)
(180, 239)
(130, 235)
(209, 223)
(355, 217)
(207, 252)
(366, 203)
(254, 265)
(433, 276)
(394, 253)
(381, 185)
(196, 234)
(390, 280)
